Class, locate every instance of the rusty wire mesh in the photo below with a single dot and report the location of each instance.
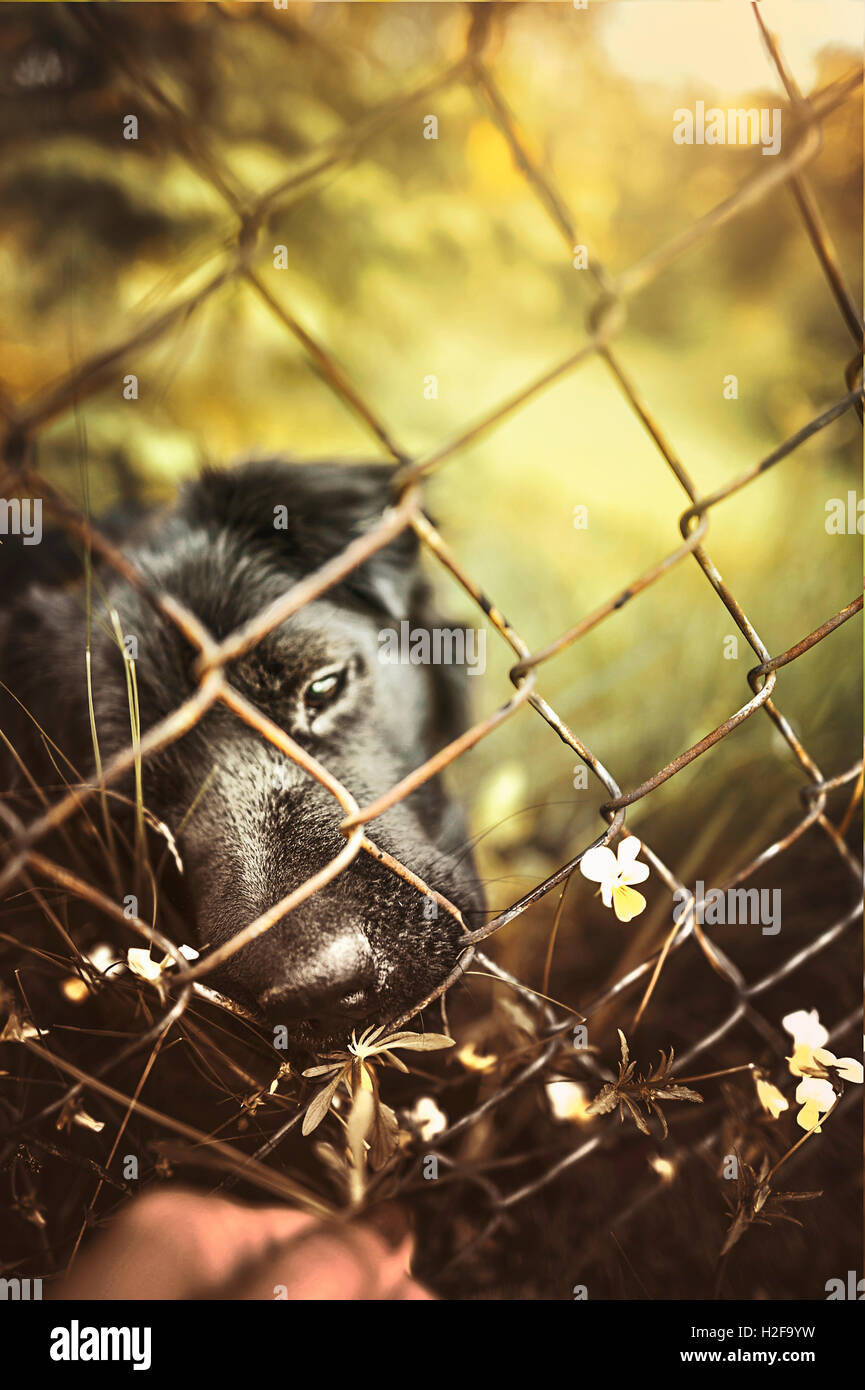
(605, 320)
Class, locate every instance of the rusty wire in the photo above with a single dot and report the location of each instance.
(248, 214)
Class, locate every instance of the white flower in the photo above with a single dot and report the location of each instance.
(428, 1118)
(103, 958)
(142, 963)
(815, 1097)
(616, 873)
(568, 1100)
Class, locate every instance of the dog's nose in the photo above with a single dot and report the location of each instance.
(345, 1002)
(336, 988)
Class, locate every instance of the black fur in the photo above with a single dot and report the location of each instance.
(362, 949)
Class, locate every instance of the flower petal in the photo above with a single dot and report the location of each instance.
(473, 1060)
(635, 873)
(805, 1027)
(428, 1117)
(772, 1100)
(803, 1056)
(629, 848)
(817, 1091)
(823, 1057)
(627, 903)
(850, 1069)
(808, 1117)
(599, 864)
(141, 963)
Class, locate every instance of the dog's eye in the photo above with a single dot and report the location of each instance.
(324, 689)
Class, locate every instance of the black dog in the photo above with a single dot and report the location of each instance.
(250, 825)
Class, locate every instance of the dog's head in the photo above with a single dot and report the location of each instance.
(251, 825)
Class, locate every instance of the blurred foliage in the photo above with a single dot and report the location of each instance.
(435, 257)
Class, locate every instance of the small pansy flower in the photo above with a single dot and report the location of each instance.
(809, 1054)
(615, 873)
(817, 1066)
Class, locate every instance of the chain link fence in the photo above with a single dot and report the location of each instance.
(23, 852)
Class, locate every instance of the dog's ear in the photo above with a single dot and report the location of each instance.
(307, 513)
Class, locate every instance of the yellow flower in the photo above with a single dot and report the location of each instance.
(473, 1060)
(773, 1101)
(616, 873)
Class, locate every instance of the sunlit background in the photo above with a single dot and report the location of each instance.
(418, 258)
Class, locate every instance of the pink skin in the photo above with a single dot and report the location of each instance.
(177, 1244)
